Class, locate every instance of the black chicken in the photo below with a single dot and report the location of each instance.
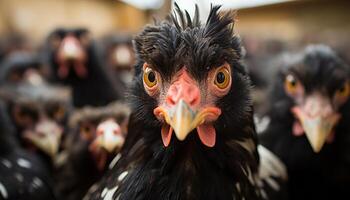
(22, 66)
(191, 133)
(13, 43)
(97, 135)
(39, 113)
(309, 123)
(119, 56)
(74, 59)
(22, 174)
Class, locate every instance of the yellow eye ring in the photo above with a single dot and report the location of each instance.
(222, 78)
(149, 77)
(344, 90)
(291, 83)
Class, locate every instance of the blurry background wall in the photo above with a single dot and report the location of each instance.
(35, 18)
(281, 24)
(296, 23)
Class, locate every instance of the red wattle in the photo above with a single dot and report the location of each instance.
(330, 138)
(166, 131)
(62, 71)
(80, 69)
(297, 129)
(207, 134)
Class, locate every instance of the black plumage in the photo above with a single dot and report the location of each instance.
(86, 161)
(39, 114)
(223, 163)
(22, 174)
(75, 60)
(13, 43)
(119, 56)
(315, 81)
(22, 66)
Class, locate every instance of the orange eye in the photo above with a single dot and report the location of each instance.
(222, 77)
(291, 84)
(149, 77)
(60, 112)
(86, 131)
(343, 91)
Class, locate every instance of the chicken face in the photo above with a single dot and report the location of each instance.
(103, 130)
(23, 67)
(318, 84)
(104, 137)
(184, 108)
(39, 113)
(41, 128)
(191, 115)
(190, 75)
(70, 52)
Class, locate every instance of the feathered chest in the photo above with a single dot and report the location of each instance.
(185, 173)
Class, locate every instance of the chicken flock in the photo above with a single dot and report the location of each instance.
(169, 114)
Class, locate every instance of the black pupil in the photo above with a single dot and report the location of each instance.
(86, 129)
(342, 89)
(220, 77)
(151, 77)
(32, 113)
(293, 83)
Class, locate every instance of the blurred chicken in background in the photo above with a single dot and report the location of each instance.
(23, 175)
(96, 136)
(23, 66)
(39, 114)
(37, 108)
(75, 60)
(309, 130)
(13, 43)
(119, 55)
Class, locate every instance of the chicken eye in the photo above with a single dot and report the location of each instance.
(343, 91)
(222, 78)
(291, 84)
(59, 112)
(149, 77)
(86, 131)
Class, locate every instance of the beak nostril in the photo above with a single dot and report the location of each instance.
(99, 132)
(193, 101)
(170, 100)
(184, 88)
(189, 95)
(41, 134)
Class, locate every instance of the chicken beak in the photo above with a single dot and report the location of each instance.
(110, 137)
(182, 119)
(70, 48)
(317, 127)
(182, 111)
(46, 137)
(317, 130)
